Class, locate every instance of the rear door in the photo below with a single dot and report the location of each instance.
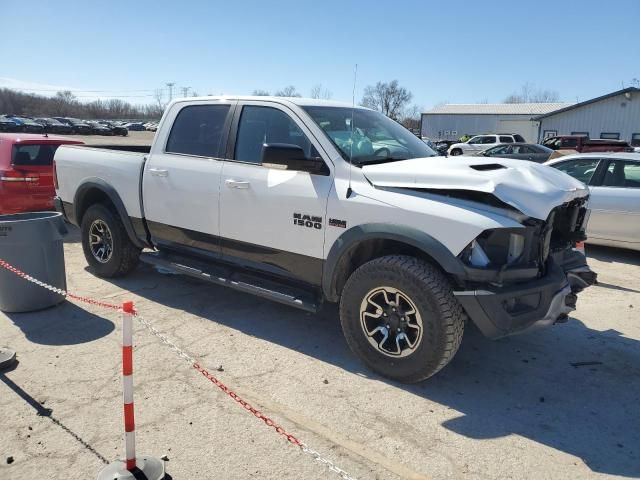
(615, 202)
(273, 219)
(181, 179)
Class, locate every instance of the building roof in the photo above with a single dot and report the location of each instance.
(497, 108)
(587, 102)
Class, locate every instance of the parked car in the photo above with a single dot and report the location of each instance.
(8, 125)
(584, 144)
(27, 125)
(116, 128)
(302, 214)
(26, 171)
(98, 128)
(442, 146)
(614, 182)
(520, 151)
(78, 127)
(135, 127)
(51, 125)
(151, 126)
(483, 142)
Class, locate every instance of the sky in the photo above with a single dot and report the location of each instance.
(445, 51)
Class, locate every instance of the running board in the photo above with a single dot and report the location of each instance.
(238, 280)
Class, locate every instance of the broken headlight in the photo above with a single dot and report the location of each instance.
(502, 247)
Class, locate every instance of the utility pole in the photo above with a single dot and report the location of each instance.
(170, 85)
(185, 91)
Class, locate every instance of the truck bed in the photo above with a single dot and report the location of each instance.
(118, 166)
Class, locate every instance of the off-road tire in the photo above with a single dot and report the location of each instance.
(125, 254)
(442, 316)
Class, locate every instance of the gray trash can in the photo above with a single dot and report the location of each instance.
(31, 242)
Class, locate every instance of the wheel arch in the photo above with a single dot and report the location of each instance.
(362, 243)
(98, 191)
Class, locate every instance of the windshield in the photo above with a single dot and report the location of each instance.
(374, 137)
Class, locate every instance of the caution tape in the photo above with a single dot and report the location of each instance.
(193, 363)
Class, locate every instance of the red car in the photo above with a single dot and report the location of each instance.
(26, 171)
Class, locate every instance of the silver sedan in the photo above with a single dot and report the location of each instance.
(614, 181)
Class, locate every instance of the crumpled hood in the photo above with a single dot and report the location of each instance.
(531, 188)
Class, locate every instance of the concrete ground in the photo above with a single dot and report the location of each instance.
(561, 403)
(134, 138)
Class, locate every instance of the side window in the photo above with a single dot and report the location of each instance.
(582, 169)
(487, 140)
(33, 155)
(260, 125)
(622, 174)
(198, 130)
(519, 138)
(502, 150)
(610, 136)
(504, 139)
(475, 140)
(581, 134)
(569, 142)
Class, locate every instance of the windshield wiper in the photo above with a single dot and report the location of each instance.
(377, 160)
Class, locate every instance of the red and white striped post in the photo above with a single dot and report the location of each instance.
(127, 384)
(152, 468)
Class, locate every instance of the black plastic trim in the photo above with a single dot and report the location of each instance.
(410, 236)
(112, 194)
(247, 255)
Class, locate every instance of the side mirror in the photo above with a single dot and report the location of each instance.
(287, 156)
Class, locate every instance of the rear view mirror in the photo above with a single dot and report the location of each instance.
(288, 156)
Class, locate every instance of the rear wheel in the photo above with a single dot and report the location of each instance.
(399, 315)
(106, 245)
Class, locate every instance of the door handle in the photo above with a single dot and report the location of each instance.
(236, 184)
(159, 172)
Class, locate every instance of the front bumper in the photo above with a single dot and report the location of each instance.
(506, 310)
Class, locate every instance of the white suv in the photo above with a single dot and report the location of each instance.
(480, 143)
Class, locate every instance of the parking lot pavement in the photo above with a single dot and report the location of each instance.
(134, 138)
(561, 403)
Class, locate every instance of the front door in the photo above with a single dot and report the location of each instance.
(181, 180)
(273, 219)
(615, 203)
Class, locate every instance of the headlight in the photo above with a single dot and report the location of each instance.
(501, 247)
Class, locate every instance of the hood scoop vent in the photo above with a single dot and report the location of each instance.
(483, 167)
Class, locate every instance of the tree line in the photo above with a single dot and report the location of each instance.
(65, 104)
(390, 98)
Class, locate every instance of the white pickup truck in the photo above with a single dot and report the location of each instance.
(304, 202)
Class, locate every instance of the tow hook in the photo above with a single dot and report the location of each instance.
(581, 278)
(571, 300)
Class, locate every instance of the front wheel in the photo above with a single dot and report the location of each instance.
(399, 316)
(106, 245)
(455, 152)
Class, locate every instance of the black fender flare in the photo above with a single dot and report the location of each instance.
(99, 184)
(410, 236)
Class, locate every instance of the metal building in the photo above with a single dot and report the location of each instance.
(613, 116)
(452, 121)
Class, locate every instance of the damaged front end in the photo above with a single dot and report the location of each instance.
(523, 278)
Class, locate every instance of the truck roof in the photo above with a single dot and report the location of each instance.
(300, 101)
